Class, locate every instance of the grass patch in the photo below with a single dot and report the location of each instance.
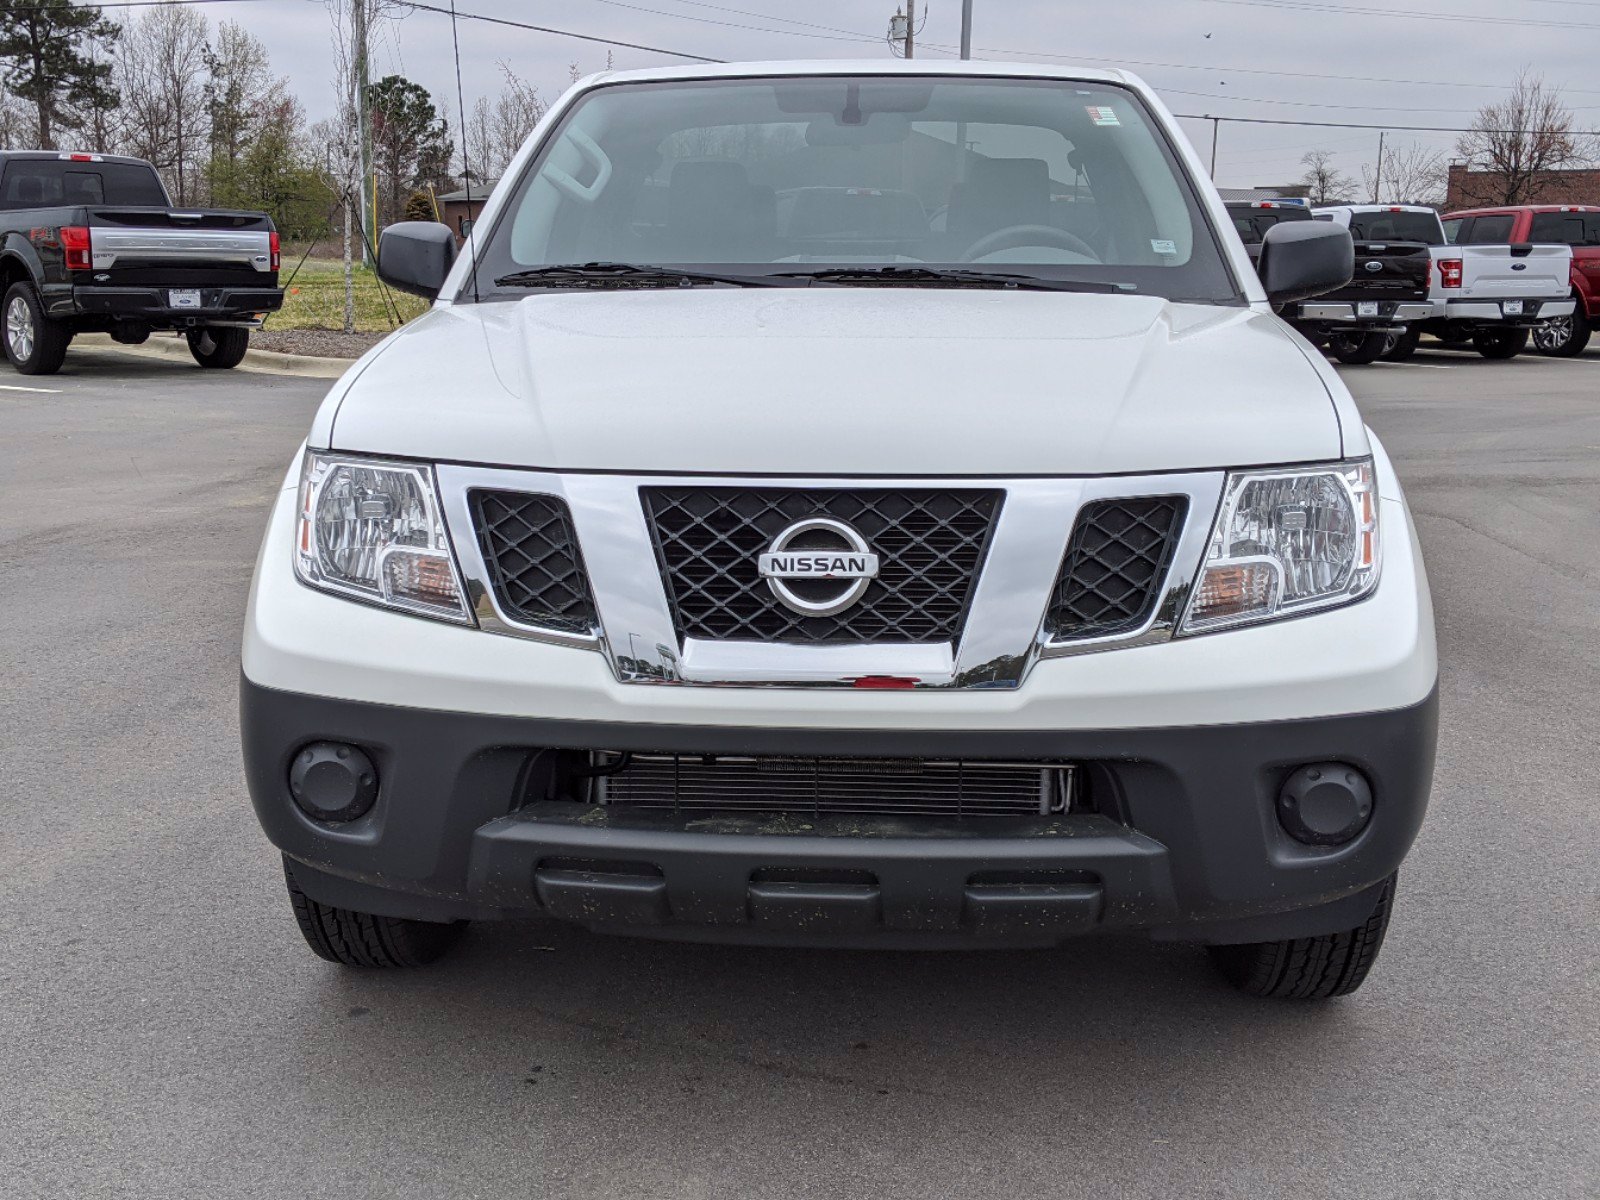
(315, 300)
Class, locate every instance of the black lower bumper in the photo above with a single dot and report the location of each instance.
(152, 307)
(1183, 842)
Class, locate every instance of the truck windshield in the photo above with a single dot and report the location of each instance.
(784, 177)
(43, 182)
(1389, 226)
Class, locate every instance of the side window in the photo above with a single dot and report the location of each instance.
(1489, 231)
(1454, 227)
(28, 185)
(1591, 229)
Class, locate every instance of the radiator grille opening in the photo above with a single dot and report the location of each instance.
(931, 542)
(534, 563)
(1119, 556)
(832, 786)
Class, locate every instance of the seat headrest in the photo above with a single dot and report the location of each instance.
(1001, 192)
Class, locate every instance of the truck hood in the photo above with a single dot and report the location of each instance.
(841, 381)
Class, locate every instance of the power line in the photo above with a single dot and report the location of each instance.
(952, 50)
(506, 21)
(1354, 125)
(1314, 104)
(840, 36)
(1411, 14)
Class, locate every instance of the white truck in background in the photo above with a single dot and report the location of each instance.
(1491, 297)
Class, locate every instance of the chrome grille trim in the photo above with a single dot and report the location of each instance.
(1003, 636)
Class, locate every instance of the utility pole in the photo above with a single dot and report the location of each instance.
(903, 28)
(966, 29)
(1216, 124)
(369, 197)
(1377, 176)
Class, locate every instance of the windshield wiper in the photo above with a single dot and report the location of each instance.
(621, 274)
(944, 277)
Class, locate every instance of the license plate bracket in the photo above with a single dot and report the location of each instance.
(1367, 308)
(183, 298)
(1513, 308)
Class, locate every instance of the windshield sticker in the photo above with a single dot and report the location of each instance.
(1163, 246)
(1102, 114)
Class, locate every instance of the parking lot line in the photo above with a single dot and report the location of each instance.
(11, 387)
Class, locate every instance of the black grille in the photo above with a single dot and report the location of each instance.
(824, 786)
(931, 546)
(534, 564)
(1119, 555)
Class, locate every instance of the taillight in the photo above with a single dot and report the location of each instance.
(75, 242)
(272, 244)
(1450, 272)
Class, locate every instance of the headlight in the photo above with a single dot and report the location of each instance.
(1287, 542)
(372, 530)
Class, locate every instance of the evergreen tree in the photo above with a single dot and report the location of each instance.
(410, 140)
(47, 49)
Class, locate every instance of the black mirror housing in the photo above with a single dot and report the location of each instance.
(416, 256)
(1301, 259)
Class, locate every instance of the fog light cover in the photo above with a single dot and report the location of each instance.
(372, 530)
(1286, 542)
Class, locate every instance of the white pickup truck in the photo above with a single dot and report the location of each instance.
(986, 578)
(1490, 296)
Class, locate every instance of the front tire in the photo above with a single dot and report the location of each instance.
(1314, 968)
(1500, 343)
(1358, 349)
(1564, 337)
(357, 939)
(34, 343)
(218, 348)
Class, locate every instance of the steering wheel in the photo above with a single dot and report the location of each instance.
(1013, 236)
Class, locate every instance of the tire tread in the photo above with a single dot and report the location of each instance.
(1314, 968)
(358, 939)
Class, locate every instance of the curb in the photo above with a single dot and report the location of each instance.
(175, 348)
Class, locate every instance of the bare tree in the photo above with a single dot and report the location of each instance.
(161, 72)
(1514, 141)
(1324, 183)
(495, 132)
(340, 139)
(19, 125)
(241, 94)
(1410, 174)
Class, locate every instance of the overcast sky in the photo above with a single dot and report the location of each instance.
(1250, 58)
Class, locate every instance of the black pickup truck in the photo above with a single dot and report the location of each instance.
(1360, 321)
(90, 243)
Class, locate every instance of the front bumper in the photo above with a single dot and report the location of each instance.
(1186, 743)
(1184, 843)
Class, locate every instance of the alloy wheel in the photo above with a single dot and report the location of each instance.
(19, 329)
(1553, 334)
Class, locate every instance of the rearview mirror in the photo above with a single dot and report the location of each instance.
(1300, 259)
(416, 256)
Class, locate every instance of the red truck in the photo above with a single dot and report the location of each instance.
(1575, 225)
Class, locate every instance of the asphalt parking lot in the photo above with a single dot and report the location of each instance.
(164, 1032)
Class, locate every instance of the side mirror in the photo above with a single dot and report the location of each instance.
(416, 256)
(1300, 259)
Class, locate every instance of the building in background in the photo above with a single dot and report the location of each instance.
(455, 212)
(1484, 189)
